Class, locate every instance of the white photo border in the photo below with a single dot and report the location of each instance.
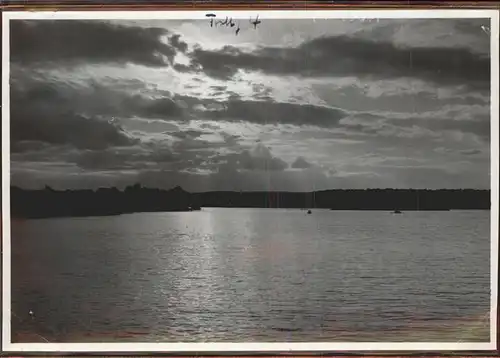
(8, 346)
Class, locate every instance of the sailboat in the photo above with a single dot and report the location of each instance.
(313, 204)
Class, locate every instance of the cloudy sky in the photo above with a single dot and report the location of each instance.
(292, 105)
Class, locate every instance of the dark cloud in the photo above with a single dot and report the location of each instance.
(188, 134)
(150, 155)
(65, 128)
(480, 128)
(350, 56)
(176, 42)
(134, 158)
(235, 109)
(470, 151)
(455, 151)
(162, 107)
(179, 67)
(301, 163)
(62, 42)
(54, 106)
(432, 124)
(260, 158)
(23, 146)
(154, 164)
(219, 88)
(276, 113)
(39, 112)
(92, 99)
(270, 112)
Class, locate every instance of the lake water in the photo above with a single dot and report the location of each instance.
(253, 275)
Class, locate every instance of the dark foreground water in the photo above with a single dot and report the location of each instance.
(253, 275)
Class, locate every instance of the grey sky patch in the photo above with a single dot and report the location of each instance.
(23, 146)
(257, 158)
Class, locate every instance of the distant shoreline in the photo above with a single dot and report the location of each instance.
(47, 203)
(221, 207)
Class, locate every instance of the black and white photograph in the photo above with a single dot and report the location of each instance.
(250, 177)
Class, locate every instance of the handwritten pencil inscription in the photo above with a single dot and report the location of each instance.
(228, 22)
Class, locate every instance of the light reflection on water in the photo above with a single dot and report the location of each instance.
(253, 275)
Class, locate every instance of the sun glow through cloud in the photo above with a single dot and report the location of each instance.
(327, 92)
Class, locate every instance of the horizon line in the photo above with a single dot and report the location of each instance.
(244, 191)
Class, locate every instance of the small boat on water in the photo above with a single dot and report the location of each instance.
(397, 212)
(309, 211)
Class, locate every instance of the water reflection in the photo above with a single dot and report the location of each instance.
(252, 274)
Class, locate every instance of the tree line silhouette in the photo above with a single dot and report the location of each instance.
(48, 202)
(104, 201)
